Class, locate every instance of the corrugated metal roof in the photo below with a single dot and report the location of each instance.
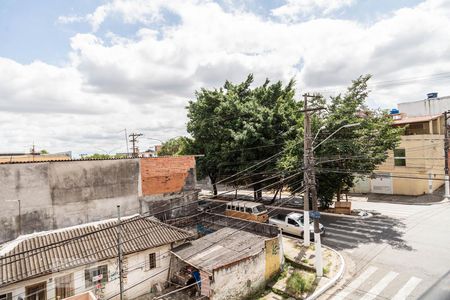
(78, 248)
(220, 248)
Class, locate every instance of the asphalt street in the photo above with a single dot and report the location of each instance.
(401, 252)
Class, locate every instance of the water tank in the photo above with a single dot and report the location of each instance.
(394, 111)
(432, 95)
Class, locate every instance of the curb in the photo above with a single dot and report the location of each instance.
(332, 281)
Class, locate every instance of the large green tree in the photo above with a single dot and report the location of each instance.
(237, 126)
(181, 145)
(350, 151)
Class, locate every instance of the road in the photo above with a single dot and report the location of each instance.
(399, 253)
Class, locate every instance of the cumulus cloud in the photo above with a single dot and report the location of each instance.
(295, 9)
(143, 81)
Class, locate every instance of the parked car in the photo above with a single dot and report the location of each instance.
(293, 224)
(247, 210)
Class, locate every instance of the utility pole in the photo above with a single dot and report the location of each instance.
(134, 141)
(119, 252)
(446, 148)
(310, 188)
(307, 147)
(126, 141)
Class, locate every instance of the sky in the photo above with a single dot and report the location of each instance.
(75, 74)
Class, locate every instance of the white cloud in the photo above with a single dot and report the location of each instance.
(143, 82)
(295, 9)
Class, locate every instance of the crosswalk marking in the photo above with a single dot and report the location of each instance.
(352, 227)
(380, 286)
(407, 288)
(355, 283)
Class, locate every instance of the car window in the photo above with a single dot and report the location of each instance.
(259, 209)
(248, 210)
(292, 222)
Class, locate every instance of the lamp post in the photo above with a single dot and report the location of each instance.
(336, 131)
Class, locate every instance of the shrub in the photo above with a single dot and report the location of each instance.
(299, 283)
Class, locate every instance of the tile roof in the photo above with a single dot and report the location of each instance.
(409, 120)
(220, 248)
(80, 245)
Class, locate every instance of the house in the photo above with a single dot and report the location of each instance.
(61, 263)
(232, 263)
(417, 165)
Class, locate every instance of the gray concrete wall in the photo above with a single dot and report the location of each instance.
(425, 107)
(59, 194)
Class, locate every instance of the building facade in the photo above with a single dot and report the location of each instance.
(62, 263)
(416, 166)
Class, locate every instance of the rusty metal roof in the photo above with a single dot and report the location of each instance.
(220, 248)
(42, 253)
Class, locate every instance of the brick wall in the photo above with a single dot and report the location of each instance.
(167, 174)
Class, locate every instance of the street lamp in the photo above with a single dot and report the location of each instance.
(343, 126)
(20, 215)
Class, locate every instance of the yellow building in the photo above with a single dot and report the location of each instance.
(416, 166)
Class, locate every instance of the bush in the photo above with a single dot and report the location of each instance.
(299, 283)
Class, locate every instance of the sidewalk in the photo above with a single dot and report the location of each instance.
(427, 199)
(300, 260)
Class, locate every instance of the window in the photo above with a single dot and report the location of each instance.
(242, 208)
(64, 286)
(248, 210)
(36, 291)
(259, 209)
(96, 275)
(399, 157)
(236, 208)
(7, 296)
(151, 261)
(228, 207)
(292, 222)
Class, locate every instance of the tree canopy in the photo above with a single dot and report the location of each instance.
(176, 146)
(237, 126)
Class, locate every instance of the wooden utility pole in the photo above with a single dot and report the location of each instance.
(119, 252)
(134, 141)
(311, 189)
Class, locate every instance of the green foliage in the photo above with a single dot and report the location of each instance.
(177, 146)
(299, 283)
(350, 150)
(43, 151)
(103, 156)
(237, 126)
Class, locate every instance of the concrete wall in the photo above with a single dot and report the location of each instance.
(425, 107)
(134, 271)
(59, 194)
(240, 279)
(65, 193)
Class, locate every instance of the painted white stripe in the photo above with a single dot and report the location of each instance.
(347, 236)
(328, 240)
(380, 286)
(355, 283)
(407, 288)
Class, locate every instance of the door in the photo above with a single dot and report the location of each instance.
(36, 291)
(64, 287)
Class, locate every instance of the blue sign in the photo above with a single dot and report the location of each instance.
(314, 214)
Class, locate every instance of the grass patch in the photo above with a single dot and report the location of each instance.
(299, 283)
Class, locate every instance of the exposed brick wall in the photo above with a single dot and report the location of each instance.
(167, 174)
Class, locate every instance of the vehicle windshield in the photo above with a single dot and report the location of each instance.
(259, 209)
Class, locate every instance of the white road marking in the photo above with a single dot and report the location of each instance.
(354, 227)
(355, 283)
(407, 288)
(380, 286)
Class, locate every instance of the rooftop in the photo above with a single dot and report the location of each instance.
(408, 120)
(220, 248)
(50, 251)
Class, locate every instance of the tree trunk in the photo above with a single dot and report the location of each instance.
(338, 193)
(257, 192)
(275, 196)
(214, 185)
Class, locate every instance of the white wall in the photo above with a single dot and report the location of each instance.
(239, 280)
(425, 107)
(134, 267)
